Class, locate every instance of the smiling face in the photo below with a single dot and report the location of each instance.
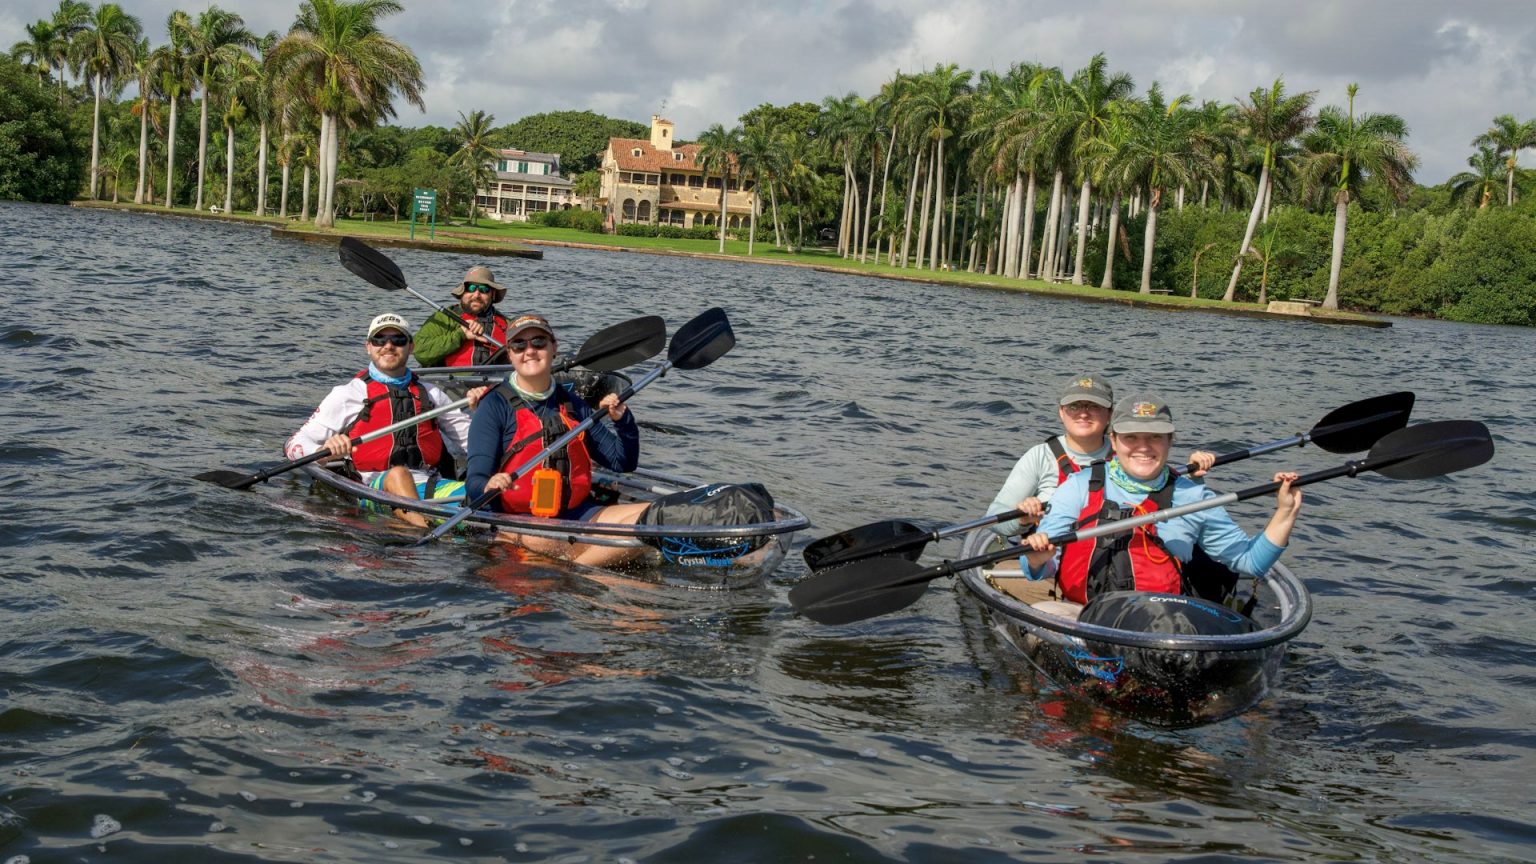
(1142, 454)
(1084, 423)
(389, 357)
(531, 351)
(476, 301)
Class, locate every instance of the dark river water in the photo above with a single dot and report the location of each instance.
(195, 674)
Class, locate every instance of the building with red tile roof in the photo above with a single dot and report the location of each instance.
(658, 182)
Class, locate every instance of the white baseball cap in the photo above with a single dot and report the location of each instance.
(386, 321)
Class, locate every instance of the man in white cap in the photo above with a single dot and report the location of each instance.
(413, 462)
(462, 341)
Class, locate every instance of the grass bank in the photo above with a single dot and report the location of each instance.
(490, 235)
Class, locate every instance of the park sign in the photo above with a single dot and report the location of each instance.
(424, 203)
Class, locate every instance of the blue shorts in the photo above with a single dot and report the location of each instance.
(443, 489)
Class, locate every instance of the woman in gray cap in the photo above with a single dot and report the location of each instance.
(1134, 482)
(1083, 409)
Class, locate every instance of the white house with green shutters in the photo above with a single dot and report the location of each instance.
(526, 183)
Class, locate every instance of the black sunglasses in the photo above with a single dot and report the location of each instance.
(399, 340)
(471, 288)
(539, 343)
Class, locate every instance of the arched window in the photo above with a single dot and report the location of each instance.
(645, 211)
(629, 209)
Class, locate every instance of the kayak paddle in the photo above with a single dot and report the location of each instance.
(1348, 429)
(877, 586)
(695, 345)
(623, 344)
(377, 268)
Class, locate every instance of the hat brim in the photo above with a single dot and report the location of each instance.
(1085, 397)
(512, 334)
(1160, 427)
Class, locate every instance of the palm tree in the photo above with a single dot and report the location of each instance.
(105, 50)
(717, 149)
(1270, 249)
(37, 49)
(143, 71)
(838, 131)
(1508, 135)
(217, 37)
(1270, 118)
(337, 55)
(264, 104)
(71, 19)
(172, 74)
(475, 154)
(1488, 169)
(759, 159)
(938, 105)
(1163, 148)
(1086, 104)
(239, 79)
(1343, 153)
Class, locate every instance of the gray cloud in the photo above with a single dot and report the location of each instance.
(1447, 70)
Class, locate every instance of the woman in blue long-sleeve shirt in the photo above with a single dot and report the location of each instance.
(514, 423)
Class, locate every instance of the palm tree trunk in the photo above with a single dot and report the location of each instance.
(170, 155)
(869, 205)
(954, 206)
(938, 205)
(773, 200)
(1148, 240)
(1205, 187)
(1085, 197)
(1181, 199)
(138, 190)
(282, 198)
(229, 169)
(1027, 235)
(885, 184)
(752, 220)
(202, 143)
(1269, 196)
(1340, 215)
(261, 173)
(1063, 231)
(1509, 183)
(304, 207)
(723, 183)
(922, 220)
(325, 214)
(1109, 250)
(95, 137)
(1253, 222)
(906, 223)
(1008, 221)
(1047, 264)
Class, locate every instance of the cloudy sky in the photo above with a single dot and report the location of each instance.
(1447, 68)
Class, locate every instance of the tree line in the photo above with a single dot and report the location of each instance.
(1030, 173)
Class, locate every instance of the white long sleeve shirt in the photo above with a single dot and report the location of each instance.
(342, 405)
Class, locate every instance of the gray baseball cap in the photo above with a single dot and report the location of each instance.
(1088, 388)
(1141, 412)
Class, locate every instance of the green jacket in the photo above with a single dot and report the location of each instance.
(438, 337)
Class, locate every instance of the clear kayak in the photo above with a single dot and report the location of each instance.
(695, 556)
(1171, 680)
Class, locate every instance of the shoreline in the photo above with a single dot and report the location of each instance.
(465, 243)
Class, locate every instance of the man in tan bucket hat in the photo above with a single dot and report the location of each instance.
(462, 342)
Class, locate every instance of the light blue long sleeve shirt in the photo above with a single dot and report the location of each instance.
(1212, 529)
(1034, 476)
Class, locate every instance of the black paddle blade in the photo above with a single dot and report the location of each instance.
(892, 537)
(371, 264)
(1432, 449)
(227, 479)
(863, 589)
(623, 344)
(702, 341)
(1359, 425)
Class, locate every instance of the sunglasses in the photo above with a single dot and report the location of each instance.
(484, 289)
(537, 343)
(399, 340)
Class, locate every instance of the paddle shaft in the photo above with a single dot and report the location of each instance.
(534, 462)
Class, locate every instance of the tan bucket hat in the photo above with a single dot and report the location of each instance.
(481, 275)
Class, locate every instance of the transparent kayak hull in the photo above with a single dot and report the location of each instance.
(1162, 679)
(720, 570)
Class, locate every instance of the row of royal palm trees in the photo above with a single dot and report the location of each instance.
(332, 72)
(911, 153)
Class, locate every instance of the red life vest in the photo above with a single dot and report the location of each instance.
(417, 447)
(1133, 560)
(1065, 467)
(532, 435)
(472, 352)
